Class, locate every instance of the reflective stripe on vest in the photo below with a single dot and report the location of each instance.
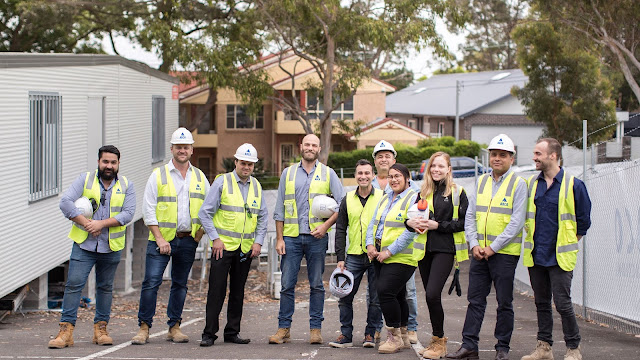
(493, 213)
(359, 219)
(394, 227)
(92, 192)
(167, 202)
(319, 186)
(567, 240)
(232, 222)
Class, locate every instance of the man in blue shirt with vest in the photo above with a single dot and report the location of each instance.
(98, 241)
(234, 216)
(551, 245)
(300, 234)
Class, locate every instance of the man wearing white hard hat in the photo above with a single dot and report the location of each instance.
(301, 234)
(98, 232)
(354, 216)
(384, 155)
(172, 199)
(234, 216)
(493, 226)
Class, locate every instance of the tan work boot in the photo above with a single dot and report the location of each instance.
(64, 337)
(142, 336)
(413, 336)
(315, 337)
(542, 352)
(100, 334)
(404, 334)
(394, 342)
(437, 349)
(573, 354)
(176, 335)
(376, 337)
(283, 335)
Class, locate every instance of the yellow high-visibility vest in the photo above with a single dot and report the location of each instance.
(493, 213)
(319, 186)
(167, 202)
(359, 219)
(394, 227)
(567, 240)
(92, 192)
(232, 221)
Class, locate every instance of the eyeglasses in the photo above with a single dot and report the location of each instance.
(397, 177)
(246, 208)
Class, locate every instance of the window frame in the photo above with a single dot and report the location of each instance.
(235, 118)
(45, 145)
(158, 132)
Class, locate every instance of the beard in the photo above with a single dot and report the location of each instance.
(107, 176)
(309, 155)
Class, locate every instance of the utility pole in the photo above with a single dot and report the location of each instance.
(456, 127)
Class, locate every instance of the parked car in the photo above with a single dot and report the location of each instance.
(461, 166)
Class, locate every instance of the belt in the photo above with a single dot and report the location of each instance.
(183, 234)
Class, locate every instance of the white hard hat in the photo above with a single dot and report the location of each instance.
(384, 145)
(341, 283)
(323, 206)
(84, 204)
(182, 136)
(247, 152)
(502, 142)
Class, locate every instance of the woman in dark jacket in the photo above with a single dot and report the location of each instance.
(445, 243)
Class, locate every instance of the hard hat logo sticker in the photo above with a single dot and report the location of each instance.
(248, 152)
(182, 136)
(500, 142)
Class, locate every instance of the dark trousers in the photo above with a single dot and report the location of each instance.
(237, 271)
(391, 283)
(500, 270)
(548, 282)
(434, 270)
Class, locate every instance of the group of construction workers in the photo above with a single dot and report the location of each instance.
(385, 228)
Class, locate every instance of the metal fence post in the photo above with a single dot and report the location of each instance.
(584, 244)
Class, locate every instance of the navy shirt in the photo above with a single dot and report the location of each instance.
(546, 233)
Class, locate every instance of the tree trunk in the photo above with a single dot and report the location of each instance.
(626, 71)
(204, 109)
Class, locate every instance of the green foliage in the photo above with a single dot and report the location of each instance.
(400, 78)
(261, 172)
(408, 155)
(565, 85)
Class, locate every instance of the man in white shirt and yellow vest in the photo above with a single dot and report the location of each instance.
(172, 199)
(98, 240)
(493, 226)
(558, 215)
(355, 214)
(299, 234)
(234, 216)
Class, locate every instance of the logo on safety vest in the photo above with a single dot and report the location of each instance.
(255, 204)
(504, 202)
(197, 186)
(500, 142)
(399, 217)
(317, 177)
(118, 191)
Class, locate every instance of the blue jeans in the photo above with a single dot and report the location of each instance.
(500, 270)
(183, 252)
(80, 265)
(412, 301)
(359, 265)
(314, 251)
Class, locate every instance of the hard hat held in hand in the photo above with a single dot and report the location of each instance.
(84, 204)
(502, 142)
(341, 283)
(247, 152)
(182, 136)
(420, 209)
(323, 207)
(384, 146)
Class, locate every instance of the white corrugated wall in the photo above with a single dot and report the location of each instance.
(34, 235)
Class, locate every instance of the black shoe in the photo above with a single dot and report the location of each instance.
(236, 340)
(207, 341)
(464, 354)
(502, 355)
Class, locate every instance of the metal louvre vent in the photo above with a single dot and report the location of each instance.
(45, 139)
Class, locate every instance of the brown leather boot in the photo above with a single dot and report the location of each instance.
(315, 336)
(394, 342)
(100, 334)
(437, 349)
(176, 335)
(142, 336)
(283, 335)
(64, 337)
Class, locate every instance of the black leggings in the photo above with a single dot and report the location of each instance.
(434, 271)
(391, 283)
